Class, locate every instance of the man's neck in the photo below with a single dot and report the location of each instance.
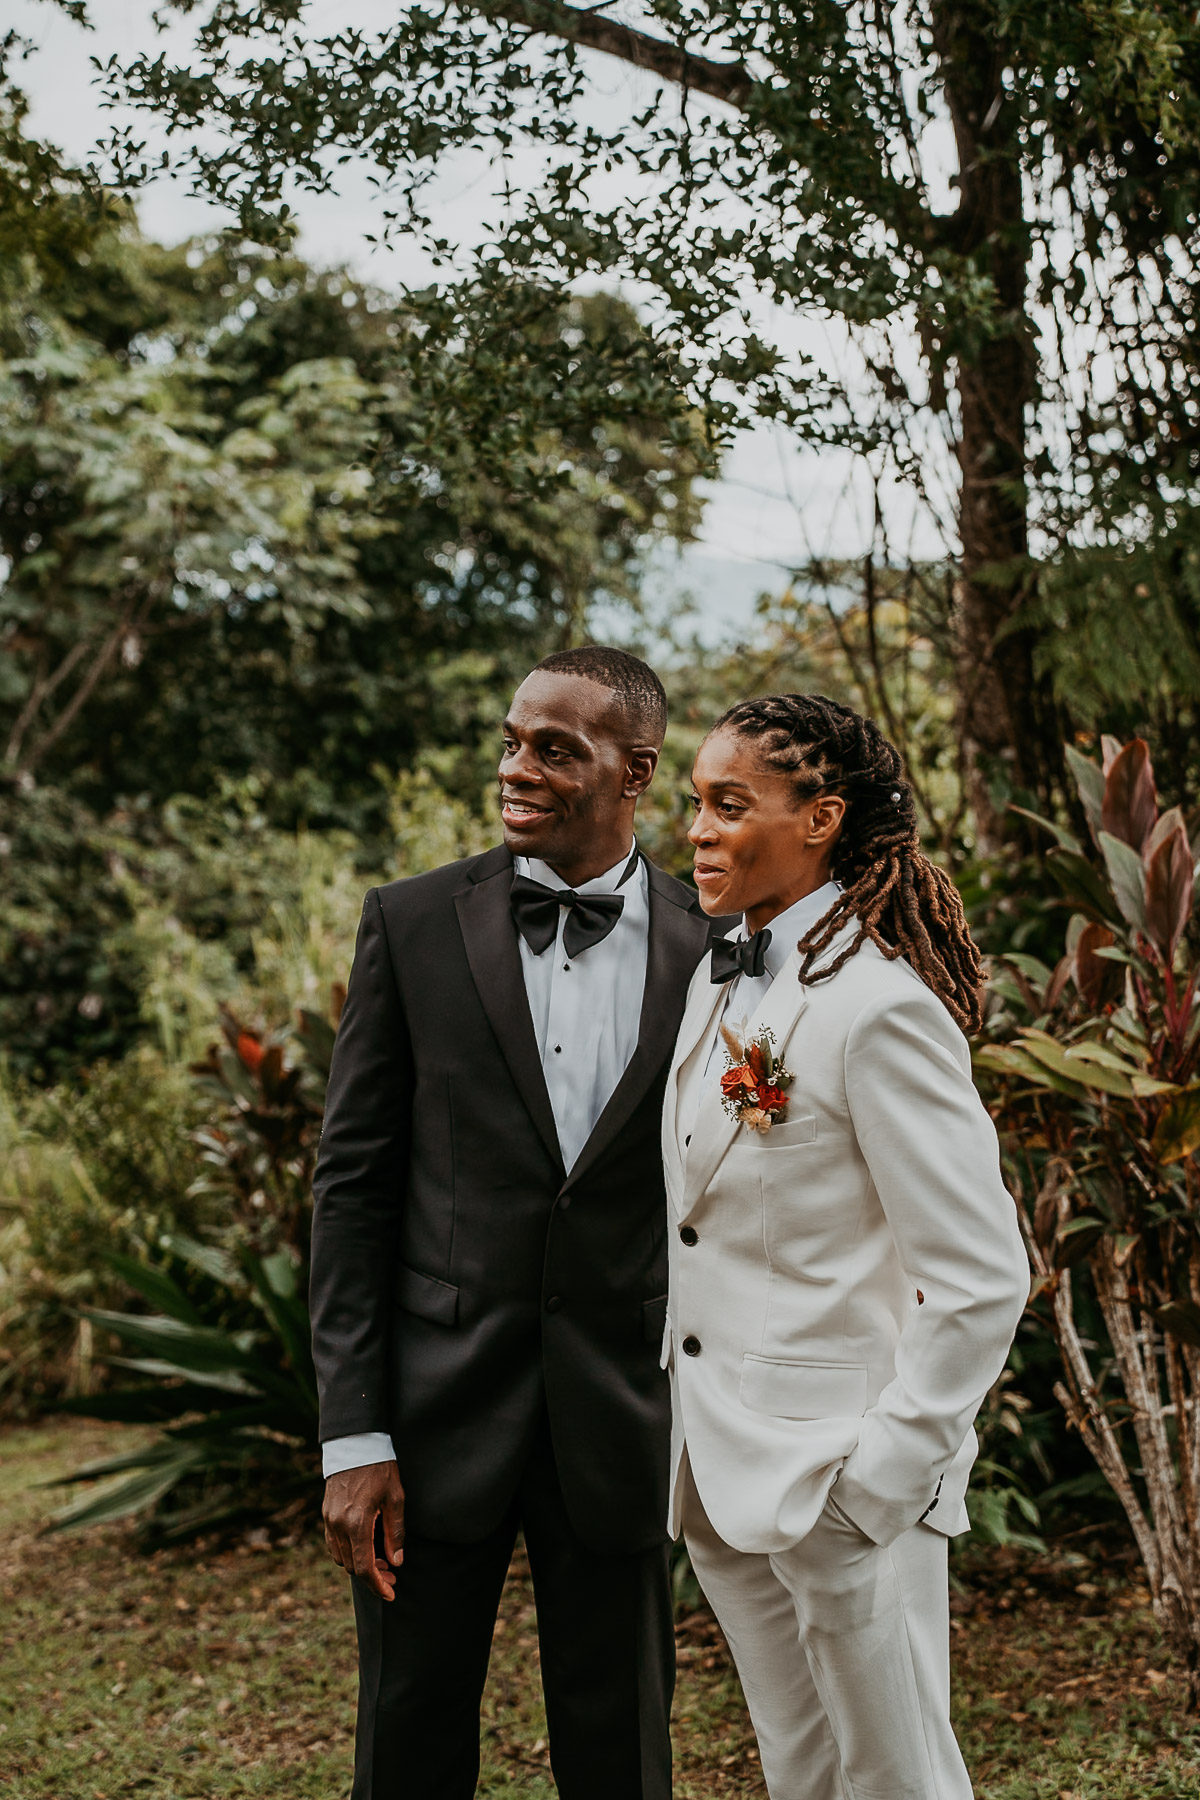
(596, 863)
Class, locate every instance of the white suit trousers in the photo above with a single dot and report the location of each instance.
(843, 1649)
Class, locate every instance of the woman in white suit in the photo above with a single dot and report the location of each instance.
(846, 1267)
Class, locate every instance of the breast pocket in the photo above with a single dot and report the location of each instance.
(787, 1134)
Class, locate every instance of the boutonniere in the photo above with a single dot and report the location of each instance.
(752, 1087)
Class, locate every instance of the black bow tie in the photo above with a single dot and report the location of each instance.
(739, 956)
(590, 917)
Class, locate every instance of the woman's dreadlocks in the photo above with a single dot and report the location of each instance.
(903, 902)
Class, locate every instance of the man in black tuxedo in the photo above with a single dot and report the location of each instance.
(489, 1267)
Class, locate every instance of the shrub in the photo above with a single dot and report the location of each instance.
(1098, 1102)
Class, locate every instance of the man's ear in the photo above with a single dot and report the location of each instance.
(640, 765)
(827, 814)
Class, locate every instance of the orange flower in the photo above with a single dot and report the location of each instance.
(733, 1079)
(250, 1051)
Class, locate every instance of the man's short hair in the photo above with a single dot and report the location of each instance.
(634, 684)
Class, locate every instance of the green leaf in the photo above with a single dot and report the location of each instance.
(1128, 876)
(1076, 1068)
(1066, 838)
(1177, 1133)
(197, 1348)
(137, 1494)
(154, 1285)
(141, 1405)
(218, 1265)
(1073, 1240)
(1089, 779)
(1008, 1059)
(1082, 885)
(219, 1381)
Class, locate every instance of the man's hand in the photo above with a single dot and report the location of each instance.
(354, 1501)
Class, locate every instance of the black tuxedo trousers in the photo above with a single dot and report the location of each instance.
(502, 1320)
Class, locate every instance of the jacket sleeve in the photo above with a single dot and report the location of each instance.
(934, 1159)
(359, 1189)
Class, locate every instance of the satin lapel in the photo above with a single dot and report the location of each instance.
(714, 1130)
(495, 961)
(675, 946)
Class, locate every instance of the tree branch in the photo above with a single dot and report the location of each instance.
(730, 82)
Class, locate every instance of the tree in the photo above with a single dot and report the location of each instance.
(997, 203)
(241, 542)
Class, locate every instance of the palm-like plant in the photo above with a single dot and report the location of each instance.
(1098, 1102)
(225, 1352)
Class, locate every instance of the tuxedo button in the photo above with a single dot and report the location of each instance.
(689, 1235)
(553, 1303)
(691, 1346)
(564, 1200)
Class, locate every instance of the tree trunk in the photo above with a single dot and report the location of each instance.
(1007, 723)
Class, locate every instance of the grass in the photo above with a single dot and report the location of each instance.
(228, 1671)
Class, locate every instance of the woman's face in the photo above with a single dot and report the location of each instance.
(758, 848)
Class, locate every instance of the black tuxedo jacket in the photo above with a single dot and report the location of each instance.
(460, 1280)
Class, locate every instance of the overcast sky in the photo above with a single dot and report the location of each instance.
(774, 507)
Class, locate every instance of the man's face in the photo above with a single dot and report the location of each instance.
(568, 777)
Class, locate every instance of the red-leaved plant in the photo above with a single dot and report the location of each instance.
(1095, 1092)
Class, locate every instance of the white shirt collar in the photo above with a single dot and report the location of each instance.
(607, 883)
(788, 927)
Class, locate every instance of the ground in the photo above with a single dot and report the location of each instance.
(193, 1674)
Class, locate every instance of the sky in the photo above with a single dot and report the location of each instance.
(775, 505)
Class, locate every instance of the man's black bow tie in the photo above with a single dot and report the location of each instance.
(740, 956)
(590, 917)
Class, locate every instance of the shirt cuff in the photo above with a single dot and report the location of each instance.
(356, 1452)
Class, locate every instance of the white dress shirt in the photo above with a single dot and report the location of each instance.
(586, 1013)
(746, 993)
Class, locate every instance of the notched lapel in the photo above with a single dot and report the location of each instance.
(676, 944)
(495, 961)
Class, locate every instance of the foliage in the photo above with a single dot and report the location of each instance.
(223, 518)
(1098, 1100)
(85, 1170)
(237, 1402)
(227, 1344)
(994, 204)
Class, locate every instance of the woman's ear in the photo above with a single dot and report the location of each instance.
(826, 822)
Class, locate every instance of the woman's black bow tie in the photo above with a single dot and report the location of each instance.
(590, 917)
(740, 956)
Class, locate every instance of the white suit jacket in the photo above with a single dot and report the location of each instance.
(798, 1351)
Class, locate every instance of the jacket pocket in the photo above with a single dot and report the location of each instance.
(654, 1320)
(803, 1390)
(426, 1296)
(787, 1134)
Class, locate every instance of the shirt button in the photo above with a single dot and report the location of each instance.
(558, 1049)
(691, 1346)
(566, 968)
(687, 1140)
(553, 1303)
(689, 1235)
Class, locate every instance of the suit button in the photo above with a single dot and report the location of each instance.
(553, 1303)
(564, 1200)
(691, 1346)
(689, 1235)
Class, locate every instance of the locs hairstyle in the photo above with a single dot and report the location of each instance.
(903, 902)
